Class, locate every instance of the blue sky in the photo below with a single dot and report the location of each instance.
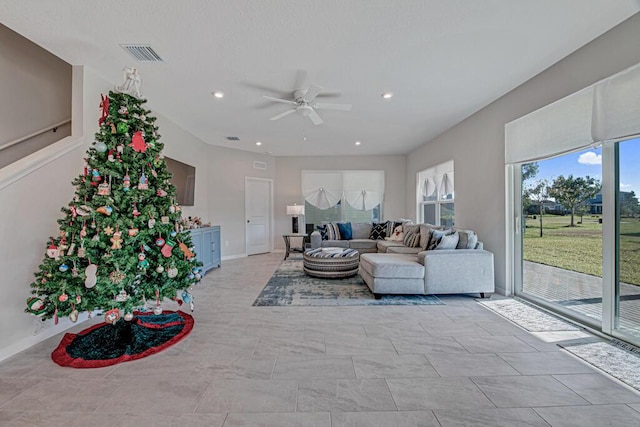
(589, 162)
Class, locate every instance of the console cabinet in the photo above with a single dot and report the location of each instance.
(206, 244)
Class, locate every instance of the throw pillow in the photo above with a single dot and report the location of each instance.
(449, 241)
(424, 236)
(411, 236)
(345, 230)
(333, 232)
(378, 231)
(435, 236)
(323, 231)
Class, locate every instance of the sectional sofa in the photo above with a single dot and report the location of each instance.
(430, 264)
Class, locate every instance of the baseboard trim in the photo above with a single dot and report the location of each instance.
(236, 256)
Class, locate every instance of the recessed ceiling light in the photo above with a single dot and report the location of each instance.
(357, 142)
(387, 95)
(218, 94)
(258, 143)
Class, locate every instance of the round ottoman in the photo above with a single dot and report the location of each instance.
(331, 263)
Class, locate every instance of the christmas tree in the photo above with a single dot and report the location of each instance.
(121, 246)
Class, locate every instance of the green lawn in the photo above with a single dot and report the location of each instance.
(580, 248)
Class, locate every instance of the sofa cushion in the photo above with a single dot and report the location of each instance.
(403, 250)
(391, 266)
(360, 230)
(384, 245)
(345, 230)
(448, 241)
(378, 231)
(363, 244)
(411, 236)
(335, 243)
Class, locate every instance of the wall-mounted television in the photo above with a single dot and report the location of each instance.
(184, 179)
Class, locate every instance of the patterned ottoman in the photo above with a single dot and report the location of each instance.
(331, 263)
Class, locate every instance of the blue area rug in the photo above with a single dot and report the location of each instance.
(289, 285)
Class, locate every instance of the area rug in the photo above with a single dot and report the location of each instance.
(615, 359)
(527, 316)
(289, 285)
(105, 344)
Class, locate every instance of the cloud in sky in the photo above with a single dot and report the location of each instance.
(590, 158)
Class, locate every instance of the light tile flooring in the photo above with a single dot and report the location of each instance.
(457, 364)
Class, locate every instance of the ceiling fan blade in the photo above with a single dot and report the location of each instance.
(329, 106)
(315, 118)
(284, 101)
(302, 80)
(281, 115)
(312, 92)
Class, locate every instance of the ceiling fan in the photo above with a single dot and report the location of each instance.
(304, 100)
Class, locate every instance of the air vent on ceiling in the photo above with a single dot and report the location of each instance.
(259, 165)
(144, 53)
(233, 138)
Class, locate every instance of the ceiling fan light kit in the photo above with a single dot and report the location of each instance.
(304, 101)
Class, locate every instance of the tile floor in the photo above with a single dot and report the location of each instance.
(449, 365)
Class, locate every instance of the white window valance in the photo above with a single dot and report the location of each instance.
(438, 178)
(608, 110)
(362, 190)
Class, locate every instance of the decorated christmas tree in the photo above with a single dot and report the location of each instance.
(121, 247)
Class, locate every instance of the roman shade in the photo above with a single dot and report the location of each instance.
(606, 111)
(322, 189)
(362, 190)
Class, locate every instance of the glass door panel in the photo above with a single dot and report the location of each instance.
(628, 240)
(562, 233)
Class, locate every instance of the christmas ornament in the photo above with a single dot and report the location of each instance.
(186, 297)
(123, 110)
(93, 223)
(172, 209)
(173, 233)
(104, 189)
(167, 248)
(143, 184)
(186, 251)
(72, 249)
(122, 127)
(105, 210)
(36, 306)
(153, 172)
(137, 142)
(116, 276)
(191, 276)
(63, 298)
(116, 240)
(81, 249)
(164, 219)
(83, 210)
(100, 146)
(143, 117)
(122, 296)
(63, 268)
(135, 212)
(95, 175)
(108, 230)
(52, 251)
(159, 269)
(74, 270)
(78, 299)
(143, 264)
(111, 157)
(73, 316)
(113, 128)
(133, 232)
(161, 193)
(152, 222)
(91, 278)
(112, 316)
(126, 183)
(172, 272)
(157, 310)
(198, 277)
(120, 149)
(128, 317)
(160, 242)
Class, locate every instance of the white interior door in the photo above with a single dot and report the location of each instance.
(258, 215)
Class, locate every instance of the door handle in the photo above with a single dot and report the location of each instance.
(248, 221)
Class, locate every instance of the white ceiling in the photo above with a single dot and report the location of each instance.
(443, 60)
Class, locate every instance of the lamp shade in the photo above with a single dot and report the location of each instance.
(295, 210)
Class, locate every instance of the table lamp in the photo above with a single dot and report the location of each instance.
(295, 211)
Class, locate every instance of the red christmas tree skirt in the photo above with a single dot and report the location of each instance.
(105, 344)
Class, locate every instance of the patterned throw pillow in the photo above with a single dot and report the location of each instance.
(333, 231)
(345, 230)
(378, 231)
(436, 235)
(449, 241)
(323, 231)
(411, 236)
(425, 234)
(468, 239)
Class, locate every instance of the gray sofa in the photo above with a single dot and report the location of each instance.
(389, 267)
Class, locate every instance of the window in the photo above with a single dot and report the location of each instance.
(435, 195)
(353, 196)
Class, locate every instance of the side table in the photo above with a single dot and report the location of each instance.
(287, 243)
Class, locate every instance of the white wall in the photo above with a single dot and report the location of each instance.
(477, 144)
(288, 189)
